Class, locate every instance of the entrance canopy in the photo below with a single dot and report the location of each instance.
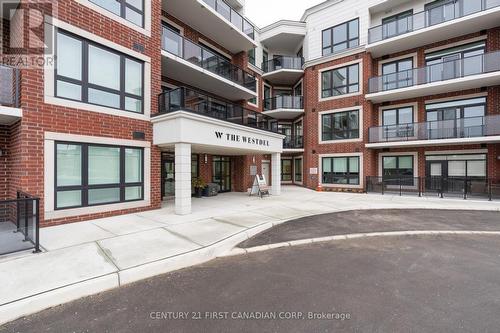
(187, 132)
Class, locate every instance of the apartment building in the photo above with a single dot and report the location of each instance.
(143, 97)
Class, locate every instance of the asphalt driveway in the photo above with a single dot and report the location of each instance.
(362, 221)
(386, 284)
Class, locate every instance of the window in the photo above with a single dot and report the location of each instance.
(286, 170)
(298, 170)
(251, 56)
(340, 81)
(340, 170)
(89, 175)
(131, 10)
(341, 37)
(340, 125)
(397, 24)
(397, 74)
(93, 74)
(265, 58)
(398, 122)
(398, 167)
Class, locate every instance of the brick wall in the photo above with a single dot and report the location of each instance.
(4, 162)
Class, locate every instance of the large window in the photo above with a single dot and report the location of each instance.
(397, 74)
(89, 175)
(131, 10)
(286, 170)
(397, 24)
(341, 170)
(340, 81)
(340, 125)
(398, 122)
(341, 37)
(398, 167)
(94, 74)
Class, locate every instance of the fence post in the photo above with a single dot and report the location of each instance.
(18, 211)
(383, 185)
(400, 187)
(37, 226)
(465, 189)
(419, 179)
(25, 219)
(490, 185)
(441, 188)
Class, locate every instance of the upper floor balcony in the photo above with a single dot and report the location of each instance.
(472, 130)
(436, 23)
(215, 19)
(197, 66)
(187, 99)
(283, 70)
(9, 95)
(293, 143)
(284, 107)
(467, 73)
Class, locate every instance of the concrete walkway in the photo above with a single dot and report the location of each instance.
(85, 258)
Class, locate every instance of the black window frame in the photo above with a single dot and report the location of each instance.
(398, 174)
(251, 57)
(287, 174)
(85, 187)
(348, 86)
(401, 79)
(348, 176)
(123, 10)
(348, 133)
(332, 44)
(298, 172)
(86, 85)
(396, 18)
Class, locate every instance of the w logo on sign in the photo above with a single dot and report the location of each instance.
(219, 135)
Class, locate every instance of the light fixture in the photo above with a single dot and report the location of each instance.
(498, 157)
(206, 158)
(253, 159)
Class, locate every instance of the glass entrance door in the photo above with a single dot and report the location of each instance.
(222, 172)
(168, 175)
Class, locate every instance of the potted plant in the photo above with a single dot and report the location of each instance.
(198, 184)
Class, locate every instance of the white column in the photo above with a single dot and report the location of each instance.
(182, 178)
(276, 174)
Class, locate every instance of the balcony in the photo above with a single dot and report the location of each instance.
(450, 20)
(9, 95)
(195, 65)
(473, 130)
(186, 99)
(215, 19)
(283, 70)
(284, 107)
(467, 73)
(293, 143)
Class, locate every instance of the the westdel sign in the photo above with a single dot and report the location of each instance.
(242, 139)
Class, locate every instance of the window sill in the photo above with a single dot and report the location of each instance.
(331, 142)
(321, 99)
(50, 215)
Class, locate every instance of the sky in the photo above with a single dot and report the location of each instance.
(265, 12)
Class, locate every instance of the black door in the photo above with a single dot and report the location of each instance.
(437, 172)
(167, 175)
(222, 172)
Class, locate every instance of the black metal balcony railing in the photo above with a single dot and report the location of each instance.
(282, 62)
(206, 59)
(188, 99)
(472, 127)
(9, 86)
(293, 142)
(232, 16)
(449, 11)
(19, 224)
(284, 102)
(454, 69)
(463, 187)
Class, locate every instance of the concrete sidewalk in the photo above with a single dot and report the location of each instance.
(85, 258)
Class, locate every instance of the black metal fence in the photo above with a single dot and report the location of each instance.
(442, 187)
(20, 224)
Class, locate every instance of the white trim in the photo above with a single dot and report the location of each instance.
(49, 73)
(257, 98)
(168, 85)
(49, 158)
(415, 161)
(346, 64)
(359, 108)
(283, 70)
(381, 110)
(301, 81)
(361, 171)
(457, 152)
(413, 55)
(172, 23)
(332, 57)
(456, 44)
(11, 112)
(212, 46)
(146, 30)
(456, 98)
(255, 68)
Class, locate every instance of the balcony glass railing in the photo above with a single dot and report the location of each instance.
(9, 86)
(175, 44)
(232, 16)
(454, 69)
(293, 142)
(188, 99)
(284, 102)
(449, 11)
(435, 130)
(278, 63)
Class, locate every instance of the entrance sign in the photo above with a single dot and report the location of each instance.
(260, 186)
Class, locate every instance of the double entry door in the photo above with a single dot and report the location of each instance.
(221, 172)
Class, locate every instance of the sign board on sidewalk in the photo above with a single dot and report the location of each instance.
(260, 186)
